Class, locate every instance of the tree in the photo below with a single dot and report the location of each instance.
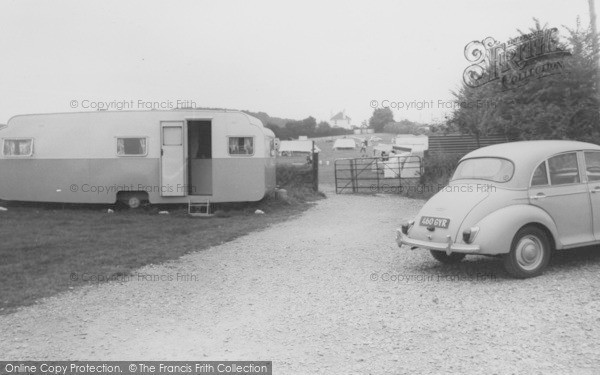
(309, 124)
(559, 106)
(403, 127)
(381, 117)
(309, 127)
(323, 129)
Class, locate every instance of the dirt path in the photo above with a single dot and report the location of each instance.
(328, 292)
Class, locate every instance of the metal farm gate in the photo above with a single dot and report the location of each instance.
(376, 175)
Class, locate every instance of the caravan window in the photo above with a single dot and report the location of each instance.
(241, 146)
(18, 147)
(131, 146)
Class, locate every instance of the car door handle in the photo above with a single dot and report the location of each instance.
(596, 189)
(538, 196)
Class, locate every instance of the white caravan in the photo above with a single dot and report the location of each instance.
(179, 156)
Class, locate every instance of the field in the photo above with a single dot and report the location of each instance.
(328, 156)
(50, 248)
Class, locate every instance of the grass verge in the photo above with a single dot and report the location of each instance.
(50, 248)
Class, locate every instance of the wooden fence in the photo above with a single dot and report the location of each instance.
(462, 144)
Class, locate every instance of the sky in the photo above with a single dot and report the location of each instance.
(290, 59)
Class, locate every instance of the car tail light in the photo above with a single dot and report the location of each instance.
(407, 225)
(469, 234)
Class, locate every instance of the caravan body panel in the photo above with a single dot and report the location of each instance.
(91, 157)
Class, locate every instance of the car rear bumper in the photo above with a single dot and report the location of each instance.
(448, 247)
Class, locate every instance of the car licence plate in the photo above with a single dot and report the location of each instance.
(437, 222)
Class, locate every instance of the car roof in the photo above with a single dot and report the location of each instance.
(524, 151)
(526, 155)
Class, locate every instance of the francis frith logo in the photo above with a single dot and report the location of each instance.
(516, 62)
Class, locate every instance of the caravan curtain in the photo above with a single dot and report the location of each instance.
(18, 147)
(248, 146)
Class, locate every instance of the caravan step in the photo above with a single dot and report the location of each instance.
(202, 209)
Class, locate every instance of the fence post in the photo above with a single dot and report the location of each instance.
(377, 172)
(352, 175)
(335, 176)
(315, 171)
(400, 167)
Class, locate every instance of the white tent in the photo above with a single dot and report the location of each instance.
(297, 146)
(411, 142)
(344, 143)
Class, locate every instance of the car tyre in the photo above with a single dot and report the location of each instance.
(441, 256)
(529, 253)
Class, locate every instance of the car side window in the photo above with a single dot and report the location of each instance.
(563, 169)
(592, 166)
(540, 177)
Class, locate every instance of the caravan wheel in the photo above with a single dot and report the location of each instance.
(134, 202)
(132, 199)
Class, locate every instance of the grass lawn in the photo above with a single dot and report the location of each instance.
(47, 249)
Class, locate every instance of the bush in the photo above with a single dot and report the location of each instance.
(293, 175)
(297, 180)
(438, 169)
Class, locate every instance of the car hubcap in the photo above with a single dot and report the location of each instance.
(529, 252)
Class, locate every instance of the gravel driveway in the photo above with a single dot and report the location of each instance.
(329, 293)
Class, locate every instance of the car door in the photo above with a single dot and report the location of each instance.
(592, 172)
(557, 188)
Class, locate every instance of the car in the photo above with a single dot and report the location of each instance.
(519, 201)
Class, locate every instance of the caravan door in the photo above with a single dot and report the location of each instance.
(172, 168)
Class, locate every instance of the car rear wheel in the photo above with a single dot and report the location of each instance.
(445, 258)
(529, 253)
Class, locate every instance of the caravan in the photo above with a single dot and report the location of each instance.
(178, 156)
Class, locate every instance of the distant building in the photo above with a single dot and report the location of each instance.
(341, 120)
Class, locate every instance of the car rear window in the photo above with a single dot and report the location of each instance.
(490, 169)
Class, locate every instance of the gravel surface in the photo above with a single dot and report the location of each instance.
(329, 292)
